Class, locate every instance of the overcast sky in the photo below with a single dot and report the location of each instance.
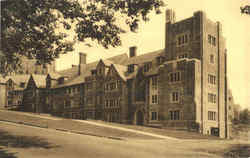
(150, 37)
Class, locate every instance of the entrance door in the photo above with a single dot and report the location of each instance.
(139, 118)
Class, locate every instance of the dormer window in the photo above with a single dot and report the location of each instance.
(22, 84)
(100, 71)
(131, 68)
(93, 72)
(61, 80)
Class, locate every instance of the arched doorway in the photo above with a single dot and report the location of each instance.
(139, 118)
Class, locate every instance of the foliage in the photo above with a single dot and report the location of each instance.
(30, 27)
(245, 116)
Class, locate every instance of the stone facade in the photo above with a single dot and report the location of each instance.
(182, 86)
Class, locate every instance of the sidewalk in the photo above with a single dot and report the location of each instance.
(128, 130)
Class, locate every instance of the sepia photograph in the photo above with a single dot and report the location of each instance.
(125, 79)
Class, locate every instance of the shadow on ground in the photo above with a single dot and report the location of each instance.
(17, 141)
(5, 154)
(238, 151)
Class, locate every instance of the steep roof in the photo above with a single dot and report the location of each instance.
(54, 75)
(119, 59)
(147, 57)
(18, 79)
(121, 69)
(72, 72)
(120, 63)
(40, 80)
(69, 72)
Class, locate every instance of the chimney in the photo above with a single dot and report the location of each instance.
(82, 58)
(82, 62)
(132, 51)
(170, 16)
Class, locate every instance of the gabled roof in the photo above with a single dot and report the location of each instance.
(119, 59)
(54, 75)
(40, 80)
(147, 57)
(18, 79)
(121, 70)
(86, 71)
(107, 62)
(73, 72)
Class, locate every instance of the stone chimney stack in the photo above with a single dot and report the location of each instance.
(132, 51)
(82, 58)
(82, 62)
(170, 16)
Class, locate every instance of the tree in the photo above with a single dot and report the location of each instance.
(30, 27)
(245, 116)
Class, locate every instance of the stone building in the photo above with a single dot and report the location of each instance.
(15, 88)
(34, 95)
(182, 86)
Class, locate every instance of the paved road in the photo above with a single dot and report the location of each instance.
(48, 143)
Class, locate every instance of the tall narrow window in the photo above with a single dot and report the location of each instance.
(154, 116)
(175, 97)
(211, 58)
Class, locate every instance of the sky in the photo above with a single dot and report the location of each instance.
(151, 37)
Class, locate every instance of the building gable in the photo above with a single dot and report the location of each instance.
(31, 83)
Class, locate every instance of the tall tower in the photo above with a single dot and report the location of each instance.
(200, 38)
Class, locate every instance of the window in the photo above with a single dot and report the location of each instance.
(147, 66)
(160, 59)
(211, 98)
(22, 84)
(211, 58)
(154, 99)
(131, 68)
(182, 39)
(69, 90)
(111, 86)
(106, 103)
(175, 76)
(209, 39)
(211, 115)
(183, 56)
(9, 102)
(93, 72)
(175, 115)
(100, 71)
(154, 116)
(211, 79)
(175, 97)
(212, 40)
(154, 82)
